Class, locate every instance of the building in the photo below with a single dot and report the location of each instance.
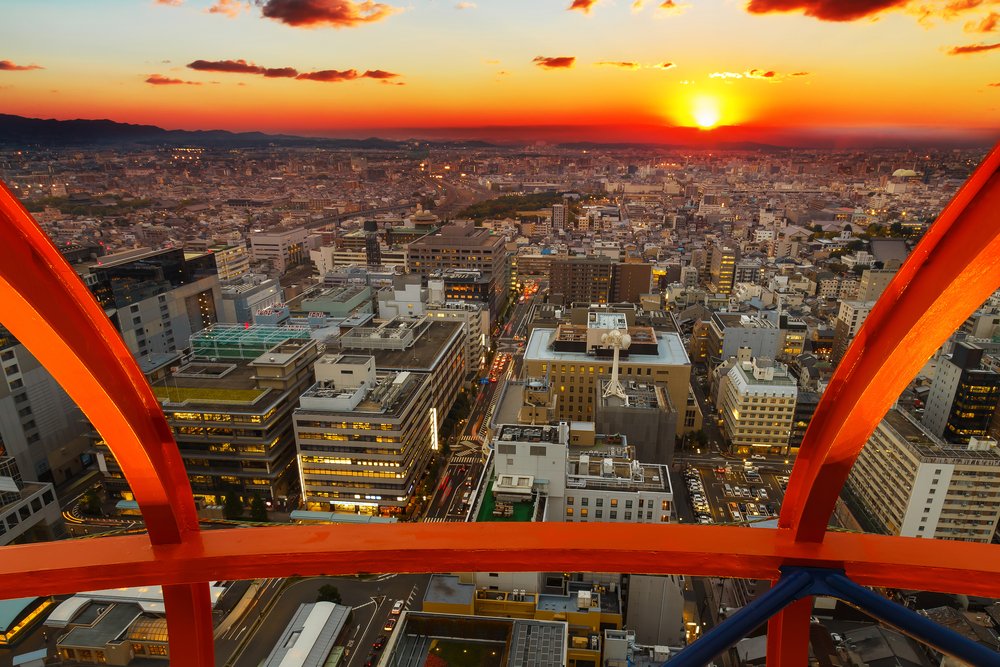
(722, 268)
(558, 216)
(363, 438)
(629, 280)
(232, 262)
(465, 247)
(963, 397)
(757, 405)
(644, 415)
(873, 282)
(156, 298)
(28, 510)
(909, 482)
(40, 425)
(243, 298)
(310, 639)
(230, 407)
(850, 317)
(584, 279)
(575, 360)
(279, 250)
(728, 333)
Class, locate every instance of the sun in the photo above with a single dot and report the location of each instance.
(706, 112)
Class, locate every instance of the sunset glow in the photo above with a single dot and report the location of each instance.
(347, 68)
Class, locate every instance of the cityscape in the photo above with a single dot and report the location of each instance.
(354, 339)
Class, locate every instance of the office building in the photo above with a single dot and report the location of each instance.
(364, 438)
(242, 299)
(850, 317)
(963, 397)
(873, 282)
(723, 268)
(230, 407)
(575, 360)
(629, 280)
(278, 251)
(232, 262)
(558, 216)
(757, 405)
(909, 482)
(29, 511)
(582, 279)
(644, 415)
(728, 333)
(463, 246)
(156, 298)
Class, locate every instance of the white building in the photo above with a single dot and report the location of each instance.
(280, 249)
(913, 484)
(757, 404)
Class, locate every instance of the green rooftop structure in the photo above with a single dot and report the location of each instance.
(521, 511)
(235, 341)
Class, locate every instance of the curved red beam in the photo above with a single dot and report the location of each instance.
(950, 273)
(54, 315)
(283, 551)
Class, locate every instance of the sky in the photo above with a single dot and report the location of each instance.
(605, 69)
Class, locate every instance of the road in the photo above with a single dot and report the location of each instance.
(458, 195)
(453, 494)
(372, 600)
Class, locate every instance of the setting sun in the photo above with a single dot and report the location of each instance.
(706, 112)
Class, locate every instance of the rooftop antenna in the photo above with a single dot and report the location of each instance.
(618, 341)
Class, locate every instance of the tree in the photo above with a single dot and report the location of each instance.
(232, 507)
(258, 511)
(91, 503)
(328, 593)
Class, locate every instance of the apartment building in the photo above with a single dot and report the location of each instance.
(757, 404)
(363, 437)
(910, 482)
(850, 317)
(728, 333)
(963, 396)
(582, 279)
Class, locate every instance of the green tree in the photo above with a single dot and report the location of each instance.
(328, 593)
(232, 508)
(91, 503)
(258, 511)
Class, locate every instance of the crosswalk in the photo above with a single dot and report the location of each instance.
(433, 519)
(465, 459)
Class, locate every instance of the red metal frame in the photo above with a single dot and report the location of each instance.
(950, 273)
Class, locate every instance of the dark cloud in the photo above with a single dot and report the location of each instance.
(583, 5)
(243, 67)
(827, 10)
(667, 65)
(623, 64)
(799, 74)
(994, 85)
(972, 48)
(560, 62)
(326, 13)
(160, 80)
(761, 74)
(336, 76)
(989, 23)
(8, 66)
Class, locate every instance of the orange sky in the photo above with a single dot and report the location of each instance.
(342, 67)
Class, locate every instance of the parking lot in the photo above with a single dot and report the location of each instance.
(733, 493)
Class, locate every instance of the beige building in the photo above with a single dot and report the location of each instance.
(757, 404)
(913, 484)
(574, 360)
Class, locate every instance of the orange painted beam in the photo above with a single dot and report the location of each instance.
(53, 314)
(950, 273)
(788, 635)
(282, 551)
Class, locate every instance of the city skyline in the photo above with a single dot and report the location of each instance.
(790, 73)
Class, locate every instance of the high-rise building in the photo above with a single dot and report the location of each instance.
(851, 316)
(963, 397)
(728, 333)
(757, 405)
(281, 250)
(373, 249)
(723, 268)
(230, 407)
(586, 279)
(575, 360)
(911, 483)
(364, 438)
(873, 282)
(629, 280)
(156, 298)
(28, 510)
(558, 216)
(462, 246)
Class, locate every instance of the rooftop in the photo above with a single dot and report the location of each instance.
(448, 589)
(669, 350)
(930, 448)
(110, 626)
(423, 354)
(522, 511)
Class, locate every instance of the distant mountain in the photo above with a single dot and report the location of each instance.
(21, 131)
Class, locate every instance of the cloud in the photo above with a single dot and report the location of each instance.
(994, 85)
(623, 64)
(8, 66)
(491, 61)
(990, 23)
(326, 13)
(242, 67)
(972, 48)
(583, 5)
(725, 75)
(827, 10)
(559, 62)
(637, 5)
(672, 7)
(465, 5)
(760, 74)
(799, 74)
(230, 8)
(160, 80)
(666, 65)
(171, 3)
(336, 76)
